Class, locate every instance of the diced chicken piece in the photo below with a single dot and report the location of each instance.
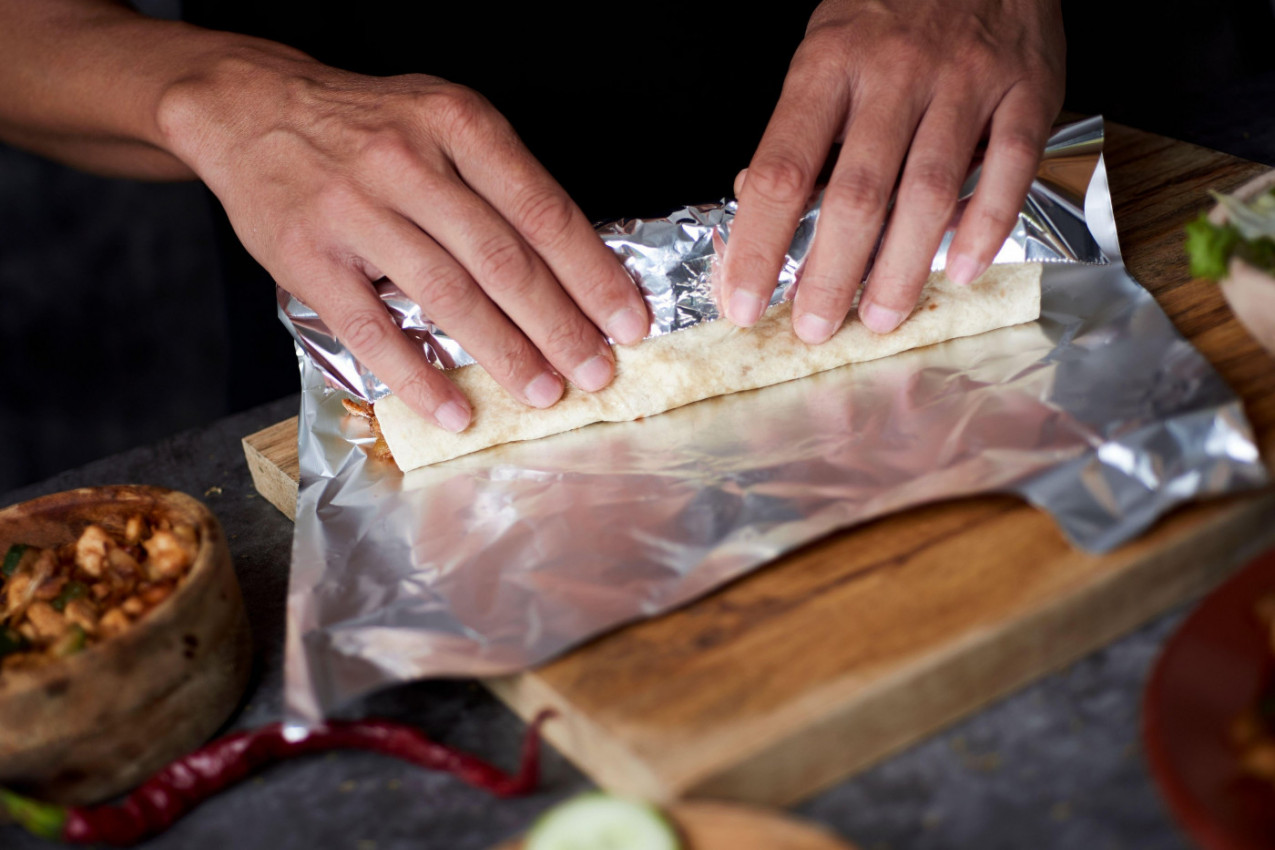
(82, 613)
(134, 530)
(122, 562)
(112, 623)
(50, 588)
(167, 555)
(133, 606)
(18, 591)
(49, 624)
(156, 594)
(187, 534)
(90, 550)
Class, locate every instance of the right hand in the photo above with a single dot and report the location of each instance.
(332, 180)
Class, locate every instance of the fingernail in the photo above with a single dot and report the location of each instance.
(813, 329)
(544, 390)
(880, 319)
(627, 326)
(453, 416)
(962, 269)
(593, 374)
(744, 308)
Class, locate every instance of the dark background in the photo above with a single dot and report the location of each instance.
(115, 332)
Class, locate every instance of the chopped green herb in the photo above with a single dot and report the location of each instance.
(70, 643)
(12, 558)
(1249, 235)
(72, 590)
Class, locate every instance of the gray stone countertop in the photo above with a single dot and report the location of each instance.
(1057, 765)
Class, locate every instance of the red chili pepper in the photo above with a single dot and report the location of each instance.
(190, 780)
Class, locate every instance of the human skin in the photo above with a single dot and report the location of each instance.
(333, 179)
(904, 86)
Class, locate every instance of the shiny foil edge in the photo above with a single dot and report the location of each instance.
(1125, 459)
(672, 259)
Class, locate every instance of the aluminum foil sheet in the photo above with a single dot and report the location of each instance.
(1099, 414)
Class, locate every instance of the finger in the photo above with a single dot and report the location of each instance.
(936, 164)
(346, 302)
(780, 177)
(452, 300)
(854, 206)
(1020, 127)
(740, 178)
(501, 169)
(513, 276)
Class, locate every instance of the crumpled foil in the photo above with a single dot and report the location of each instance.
(1099, 413)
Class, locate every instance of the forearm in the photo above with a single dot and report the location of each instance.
(84, 82)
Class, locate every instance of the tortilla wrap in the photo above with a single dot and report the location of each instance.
(710, 359)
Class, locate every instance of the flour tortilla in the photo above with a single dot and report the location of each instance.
(710, 359)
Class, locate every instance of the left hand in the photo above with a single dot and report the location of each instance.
(906, 86)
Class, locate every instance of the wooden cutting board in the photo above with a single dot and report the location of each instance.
(833, 657)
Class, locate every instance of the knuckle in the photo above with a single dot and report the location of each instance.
(606, 286)
(821, 61)
(995, 218)
(364, 332)
(860, 193)
(569, 340)
(1021, 147)
(906, 53)
(506, 264)
(895, 291)
(824, 47)
(448, 291)
(825, 295)
(780, 179)
(458, 110)
(420, 383)
(390, 152)
(932, 186)
(336, 201)
(509, 362)
(295, 243)
(544, 215)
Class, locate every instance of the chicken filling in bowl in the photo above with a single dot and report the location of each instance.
(56, 602)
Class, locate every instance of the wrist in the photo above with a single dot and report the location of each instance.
(198, 114)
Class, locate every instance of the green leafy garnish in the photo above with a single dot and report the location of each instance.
(1210, 247)
(12, 558)
(73, 590)
(1249, 235)
(72, 642)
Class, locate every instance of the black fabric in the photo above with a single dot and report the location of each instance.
(636, 109)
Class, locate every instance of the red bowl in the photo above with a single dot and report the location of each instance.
(1211, 670)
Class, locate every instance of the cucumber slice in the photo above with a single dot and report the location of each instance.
(598, 821)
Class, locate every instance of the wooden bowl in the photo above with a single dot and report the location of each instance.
(706, 825)
(86, 727)
(1250, 291)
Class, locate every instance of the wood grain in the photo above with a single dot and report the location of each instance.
(851, 648)
(275, 467)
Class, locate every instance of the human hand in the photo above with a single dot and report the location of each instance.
(906, 86)
(333, 179)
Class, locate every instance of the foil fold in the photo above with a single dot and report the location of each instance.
(1099, 414)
